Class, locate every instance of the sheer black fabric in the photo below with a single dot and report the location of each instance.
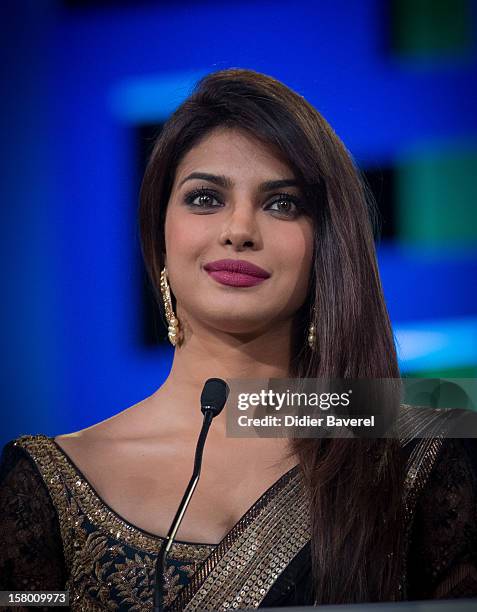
(31, 550)
(442, 550)
(442, 560)
(33, 556)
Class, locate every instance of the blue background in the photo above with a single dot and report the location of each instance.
(78, 80)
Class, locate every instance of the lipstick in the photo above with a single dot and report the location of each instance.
(236, 272)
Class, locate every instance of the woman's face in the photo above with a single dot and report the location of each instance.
(223, 206)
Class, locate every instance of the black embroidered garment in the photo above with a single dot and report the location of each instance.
(57, 534)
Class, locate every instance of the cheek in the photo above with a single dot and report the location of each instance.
(296, 248)
(181, 237)
(297, 259)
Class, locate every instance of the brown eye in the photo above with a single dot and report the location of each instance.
(203, 199)
(287, 205)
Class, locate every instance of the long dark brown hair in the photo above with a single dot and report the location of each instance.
(355, 485)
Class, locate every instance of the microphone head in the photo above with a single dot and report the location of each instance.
(214, 395)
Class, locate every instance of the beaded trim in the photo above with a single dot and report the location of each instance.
(61, 475)
(242, 569)
(238, 572)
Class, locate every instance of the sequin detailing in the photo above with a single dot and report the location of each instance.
(242, 569)
(110, 563)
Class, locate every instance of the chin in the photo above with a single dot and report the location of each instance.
(238, 324)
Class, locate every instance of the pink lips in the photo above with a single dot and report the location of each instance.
(236, 272)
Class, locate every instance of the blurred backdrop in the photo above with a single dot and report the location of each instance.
(87, 84)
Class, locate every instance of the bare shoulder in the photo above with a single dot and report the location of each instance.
(107, 436)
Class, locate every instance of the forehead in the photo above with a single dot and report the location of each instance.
(232, 152)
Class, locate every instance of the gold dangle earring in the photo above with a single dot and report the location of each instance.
(312, 333)
(173, 331)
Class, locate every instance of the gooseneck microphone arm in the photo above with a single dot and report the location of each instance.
(167, 545)
(213, 398)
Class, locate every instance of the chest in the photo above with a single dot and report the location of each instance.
(147, 496)
(110, 560)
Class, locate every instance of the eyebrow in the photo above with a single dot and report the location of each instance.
(227, 183)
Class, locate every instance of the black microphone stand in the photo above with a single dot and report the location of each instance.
(159, 581)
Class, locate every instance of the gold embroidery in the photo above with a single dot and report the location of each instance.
(58, 471)
(110, 563)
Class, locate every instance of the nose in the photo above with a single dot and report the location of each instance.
(241, 230)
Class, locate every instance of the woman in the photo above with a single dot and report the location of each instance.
(257, 237)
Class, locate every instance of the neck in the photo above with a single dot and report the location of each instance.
(205, 355)
(224, 355)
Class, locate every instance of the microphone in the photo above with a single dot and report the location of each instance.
(212, 400)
